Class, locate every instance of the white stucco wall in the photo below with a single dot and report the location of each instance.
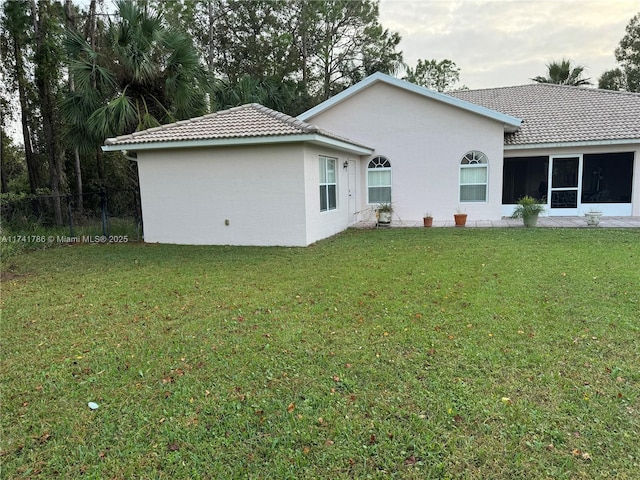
(188, 194)
(325, 224)
(424, 140)
(609, 209)
(268, 194)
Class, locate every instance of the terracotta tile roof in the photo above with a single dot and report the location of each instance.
(562, 114)
(247, 121)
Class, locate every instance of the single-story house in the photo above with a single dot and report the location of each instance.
(253, 176)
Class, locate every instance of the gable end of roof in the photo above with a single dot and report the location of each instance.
(511, 123)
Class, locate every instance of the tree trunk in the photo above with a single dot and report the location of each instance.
(70, 23)
(33, 169)
(45, 77)
(3, 176)
(210, 47)
(326, 88)
(301, 36)
(100, 168)
(304, 47)
(211, 52)
(92, 25)
(76, 155)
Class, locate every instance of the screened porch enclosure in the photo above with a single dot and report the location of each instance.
(607, 177)
(525, 176)
(571, 184)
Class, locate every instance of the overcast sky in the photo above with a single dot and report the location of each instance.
(507, 42)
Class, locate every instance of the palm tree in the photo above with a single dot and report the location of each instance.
(143, 75)
(563, 73)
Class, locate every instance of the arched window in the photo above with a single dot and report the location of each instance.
(379, 180)
(474, 177)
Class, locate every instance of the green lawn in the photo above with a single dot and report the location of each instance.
(405, 353)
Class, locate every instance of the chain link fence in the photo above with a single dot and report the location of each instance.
(90, 215)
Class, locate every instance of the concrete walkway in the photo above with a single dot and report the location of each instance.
(549, 222)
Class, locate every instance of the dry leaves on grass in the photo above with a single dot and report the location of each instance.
(580, 454)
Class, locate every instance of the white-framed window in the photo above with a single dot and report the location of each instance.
(379, 180)
(328, 184)
(474, 177)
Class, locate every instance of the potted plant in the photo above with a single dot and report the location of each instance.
(383, 213)
(593, 217)
(427, 219)
(528, 210)
(460, 218)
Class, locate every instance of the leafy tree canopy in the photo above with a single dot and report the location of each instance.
(613, 80)
(627, 76)
(441, 76)
(133, 64)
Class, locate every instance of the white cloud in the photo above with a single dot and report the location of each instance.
(506, 42)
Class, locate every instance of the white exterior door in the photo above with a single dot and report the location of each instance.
(565, 173)
(352, 190)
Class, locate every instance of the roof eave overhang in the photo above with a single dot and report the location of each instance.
(314, 138)
(586, 143)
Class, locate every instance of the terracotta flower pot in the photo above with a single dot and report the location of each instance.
(460, 219)
(428, 221)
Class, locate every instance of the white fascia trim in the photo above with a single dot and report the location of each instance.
(511, 124)
(342, 145)
(226, 142)
(588, 143)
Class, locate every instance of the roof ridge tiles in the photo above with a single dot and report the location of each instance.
(549, 113)
(288, 119)
(583, 88)
(243, 121)
(152, 129)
